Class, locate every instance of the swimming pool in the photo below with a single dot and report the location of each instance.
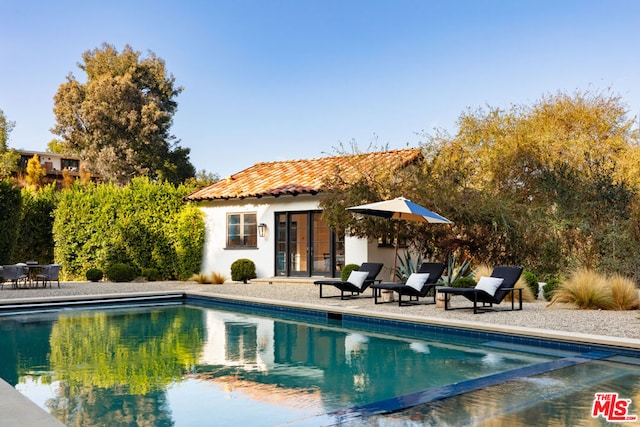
(209, 362)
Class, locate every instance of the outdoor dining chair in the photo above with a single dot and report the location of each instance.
(48, 274)
(15, 274)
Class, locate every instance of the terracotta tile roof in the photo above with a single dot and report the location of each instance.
(295, 177)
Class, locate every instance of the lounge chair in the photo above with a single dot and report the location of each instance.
(15, 274)
(417, 285)
(489, 290)
(359, 280)
(48, 274)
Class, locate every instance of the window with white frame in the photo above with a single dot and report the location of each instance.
(242, 230)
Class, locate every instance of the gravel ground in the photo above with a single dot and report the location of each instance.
(624, 325)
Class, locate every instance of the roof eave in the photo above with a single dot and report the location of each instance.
(252, 196)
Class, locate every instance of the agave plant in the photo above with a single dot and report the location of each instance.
(455, 271)
(407, 266)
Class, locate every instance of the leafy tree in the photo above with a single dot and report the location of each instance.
(203, 179)
(8, 158)
(119, 120)
(552, 177)
(6, 127)
(55, 146)
(370, 183)
(550, 186)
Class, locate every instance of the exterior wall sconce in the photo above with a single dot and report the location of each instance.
(262, 229)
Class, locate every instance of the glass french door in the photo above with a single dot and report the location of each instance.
(307, 246)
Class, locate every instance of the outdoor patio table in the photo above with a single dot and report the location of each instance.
(33, 268)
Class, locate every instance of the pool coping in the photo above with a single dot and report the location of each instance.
(20, 410)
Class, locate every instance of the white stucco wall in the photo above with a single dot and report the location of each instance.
(56, 161)
(217, 258)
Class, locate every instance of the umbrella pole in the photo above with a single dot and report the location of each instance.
(395, 256)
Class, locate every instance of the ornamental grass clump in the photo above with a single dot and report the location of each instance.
(482, 270)
(200, 278)
(206, 279)
(624, 293)
(218, 278)
(586, 289)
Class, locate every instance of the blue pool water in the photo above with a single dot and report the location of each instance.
(200, 363)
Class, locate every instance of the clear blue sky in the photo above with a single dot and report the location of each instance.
(287, 79)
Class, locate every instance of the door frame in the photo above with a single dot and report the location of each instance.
(286, 254)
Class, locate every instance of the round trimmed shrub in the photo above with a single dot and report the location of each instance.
(532, 282)
(346, 271)
(549, 287)
(94, 274)
(120, 272)
(464, 282)
(151, 274)
(242, 270)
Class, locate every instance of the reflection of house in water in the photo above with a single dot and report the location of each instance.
(266, 345)
(264, 356)
(233, 340)
(297, 364)
(243, 360)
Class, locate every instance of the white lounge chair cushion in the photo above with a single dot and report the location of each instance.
(489, 284)
(417, 280)
(357, 278)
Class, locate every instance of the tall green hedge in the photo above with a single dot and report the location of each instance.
(187, 231)
(10, 213)
(144, 224)
(35, 240)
